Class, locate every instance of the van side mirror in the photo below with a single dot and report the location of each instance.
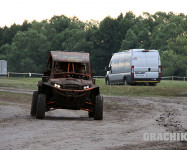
(107, 68)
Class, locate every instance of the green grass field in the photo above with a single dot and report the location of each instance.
(165, 88)
(23, 83)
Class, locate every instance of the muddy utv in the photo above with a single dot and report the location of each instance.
(67, 84)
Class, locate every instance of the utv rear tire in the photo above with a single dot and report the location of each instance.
(91, 114)
(41, 106)
(34, 103)
(98, 115)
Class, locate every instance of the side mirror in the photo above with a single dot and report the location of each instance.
(107, 68)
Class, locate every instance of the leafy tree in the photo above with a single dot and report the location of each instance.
(173, 64)
(74, 40)
(9, 33)
(5, 51)
(107, 33)
(26, 46)
(144, 39)
(106, 43)
(59, 23)
(130, 40)
(29, 52)
(168, 59)
(1, 36)
(179, 45)
(25, 26)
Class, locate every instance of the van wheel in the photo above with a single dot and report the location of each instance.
(41, 106)
(134, 84)
(152, 84)
(125, 82)
(107, 82)
(98, 115)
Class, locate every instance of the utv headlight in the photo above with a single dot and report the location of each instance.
(57, 85)
(86, 87)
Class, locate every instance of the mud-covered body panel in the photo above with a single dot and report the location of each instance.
(71, 93)
(67, 86)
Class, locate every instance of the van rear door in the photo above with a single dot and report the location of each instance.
(140, 64)
(145, 63)
(153, 59)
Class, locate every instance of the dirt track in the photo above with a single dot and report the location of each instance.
(126, 119)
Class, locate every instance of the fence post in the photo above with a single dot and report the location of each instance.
(172, 78)
(8, 74)
(29, 74)
(184, 79)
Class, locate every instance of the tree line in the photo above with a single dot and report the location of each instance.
(26, 46)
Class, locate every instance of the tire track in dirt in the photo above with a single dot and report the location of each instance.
(125, 121)
(16, 90)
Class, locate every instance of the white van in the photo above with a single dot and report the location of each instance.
(134, 66)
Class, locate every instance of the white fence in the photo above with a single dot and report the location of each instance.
(174, 78)
(29, 74)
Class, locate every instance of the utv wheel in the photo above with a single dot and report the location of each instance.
(41, 106)
(98, 115)
(91, 114)
(34, 103)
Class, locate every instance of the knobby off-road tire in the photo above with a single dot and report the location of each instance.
(34, 103)
(41, 106)
(91, 114)
(98, 115)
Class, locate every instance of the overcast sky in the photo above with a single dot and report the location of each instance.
(16, 11)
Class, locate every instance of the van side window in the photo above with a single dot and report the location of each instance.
(115, 64)
(121, 63)
(127, 63)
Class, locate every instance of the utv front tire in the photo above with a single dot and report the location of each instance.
(41, 106)
(34, 103)
(98, 115)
